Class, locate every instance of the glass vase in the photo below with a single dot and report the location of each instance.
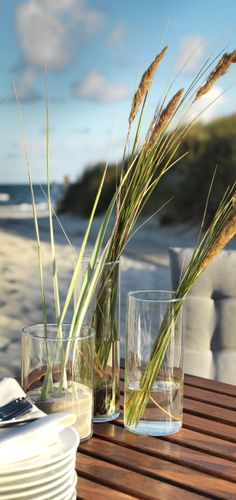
(57, 372)
(154, 363)
(103, 315)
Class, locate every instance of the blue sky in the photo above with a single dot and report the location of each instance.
(96, 52)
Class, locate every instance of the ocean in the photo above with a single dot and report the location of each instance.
(18, 195)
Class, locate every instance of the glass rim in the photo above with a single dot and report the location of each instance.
(86, 260)
(26, 333)
(133, 295)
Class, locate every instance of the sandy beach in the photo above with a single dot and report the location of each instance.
(144, 265)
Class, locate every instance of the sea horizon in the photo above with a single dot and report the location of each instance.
(19, 195)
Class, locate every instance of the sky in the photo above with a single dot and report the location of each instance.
(95, 53)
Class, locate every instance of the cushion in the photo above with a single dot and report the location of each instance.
(210, 308)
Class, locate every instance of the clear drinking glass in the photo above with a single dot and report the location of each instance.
(153, 397)
(57, 372)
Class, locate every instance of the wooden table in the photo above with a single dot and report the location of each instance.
(197, 462)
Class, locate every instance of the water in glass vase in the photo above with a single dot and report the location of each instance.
(163, 413)
(107, 386)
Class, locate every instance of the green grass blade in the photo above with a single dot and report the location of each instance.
(53, 253)
(59, 223)
(87, 291)
(82, 250)
(40, 257)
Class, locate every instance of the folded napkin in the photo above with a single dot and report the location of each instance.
(41, 437)
(10, 389)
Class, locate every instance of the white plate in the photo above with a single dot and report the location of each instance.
(19, 483)
(47, 486)
(50, 490)
(25, 475)
(69, 443)
(67, 494)
(56, 494)
(72, 495)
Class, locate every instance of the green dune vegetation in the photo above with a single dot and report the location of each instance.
(186, 184)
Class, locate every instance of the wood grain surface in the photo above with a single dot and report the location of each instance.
(197, 462)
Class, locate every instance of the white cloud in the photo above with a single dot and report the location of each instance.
(46, 29)
(91, 20)
(191, 52)
(211, 102)
(118, 35)
(25, 92)
(95, 88)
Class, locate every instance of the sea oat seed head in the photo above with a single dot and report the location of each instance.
(227, 233)
(164, 119)
(220, 70)
(145, 84)
(233, 56)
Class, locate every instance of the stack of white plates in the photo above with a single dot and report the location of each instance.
(50, 476)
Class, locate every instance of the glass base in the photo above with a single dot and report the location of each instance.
(155, 428)
(85, 438)
(105, 418)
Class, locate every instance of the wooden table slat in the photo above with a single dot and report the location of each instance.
(222, 400)
(129, 482)
(87, 489)
(158, 468)
(167, 450)
(207, 444)
(209, 427)
(213, 412)
(210, 385)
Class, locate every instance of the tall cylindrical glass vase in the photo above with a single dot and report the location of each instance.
(103, 315)
(154, 363)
